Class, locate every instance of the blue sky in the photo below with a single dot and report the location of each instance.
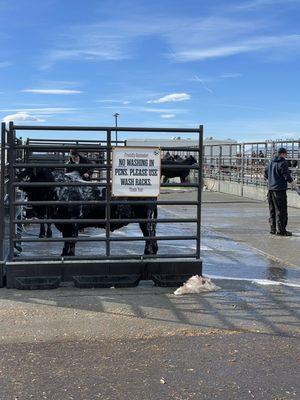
(230, 65)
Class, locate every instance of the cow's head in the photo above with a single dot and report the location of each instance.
(193, 160)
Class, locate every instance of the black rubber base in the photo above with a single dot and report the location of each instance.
(100, 274)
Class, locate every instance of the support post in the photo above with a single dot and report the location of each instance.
(199, 192)
(11, 188)
(220, 167)
(108, 191)
(2, 191)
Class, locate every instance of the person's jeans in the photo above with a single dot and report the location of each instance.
(278, 210)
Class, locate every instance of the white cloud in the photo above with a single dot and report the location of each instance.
(172, 97)
(4, 64)
(249, 45)
(248, 5)
(125, 102)
(187, 38)
(149, 110)
(167, 116)
(22, 117)
(42, 111)
(161, 110)
(230, 75)
(52, 91)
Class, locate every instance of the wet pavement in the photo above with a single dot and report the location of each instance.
(233, 232)
(240, 342)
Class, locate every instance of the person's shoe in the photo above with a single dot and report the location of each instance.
(273, 231)
(285, 233)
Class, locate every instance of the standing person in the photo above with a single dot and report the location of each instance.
(261, 157)
(76, 158)
(278, 175)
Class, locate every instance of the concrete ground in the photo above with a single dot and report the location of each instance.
(240, 342)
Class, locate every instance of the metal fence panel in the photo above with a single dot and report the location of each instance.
(102, 268)
(245, 163)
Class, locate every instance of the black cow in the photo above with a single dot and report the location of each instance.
(293, 163)
(98, 211)
(182, 173)
(42, 193)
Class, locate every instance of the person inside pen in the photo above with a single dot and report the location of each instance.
(76, 158)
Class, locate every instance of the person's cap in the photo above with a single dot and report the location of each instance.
(282, 150)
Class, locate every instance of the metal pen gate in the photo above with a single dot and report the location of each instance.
(99, 270)
(244, 163)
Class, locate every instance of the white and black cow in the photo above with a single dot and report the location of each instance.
(91, 211)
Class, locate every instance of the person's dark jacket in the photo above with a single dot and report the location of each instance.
(81, 169)
(277, 173)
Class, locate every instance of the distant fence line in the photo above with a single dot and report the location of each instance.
(245, 162)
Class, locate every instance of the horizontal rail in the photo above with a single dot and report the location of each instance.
(181, 148)
(88, 183)
(60, 148)
(97, 166)
(99, 220)
(101, 258)
(57, 184)
(60, 141)
(59, 165)
(104, 239)
(102, 128)
(103, 202)
(179, 184)
(63, 148)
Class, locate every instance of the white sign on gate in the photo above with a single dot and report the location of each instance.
(135, 171)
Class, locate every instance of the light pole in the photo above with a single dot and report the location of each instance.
(116, 124)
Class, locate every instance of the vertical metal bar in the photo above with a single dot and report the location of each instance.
(11, 188)
(243, 155)
(199, 191)
(256, 166)
(230, 163)
(212, 163)
(220, 163)
(298, 165)
(108, 191)
(2, 191)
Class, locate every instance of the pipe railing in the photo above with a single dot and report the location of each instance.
(245, 162)
(44, 146)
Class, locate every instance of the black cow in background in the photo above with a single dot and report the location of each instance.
(293, 163)
(182, 173)
(88, 211)
(41, 193)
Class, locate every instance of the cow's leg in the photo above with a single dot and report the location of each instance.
(40, 213)
(66, 248)
(49, 231)
(149, 229)
(74, 233)
(48, 216)
(42, 231)
(65, 251)
(154, 245)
